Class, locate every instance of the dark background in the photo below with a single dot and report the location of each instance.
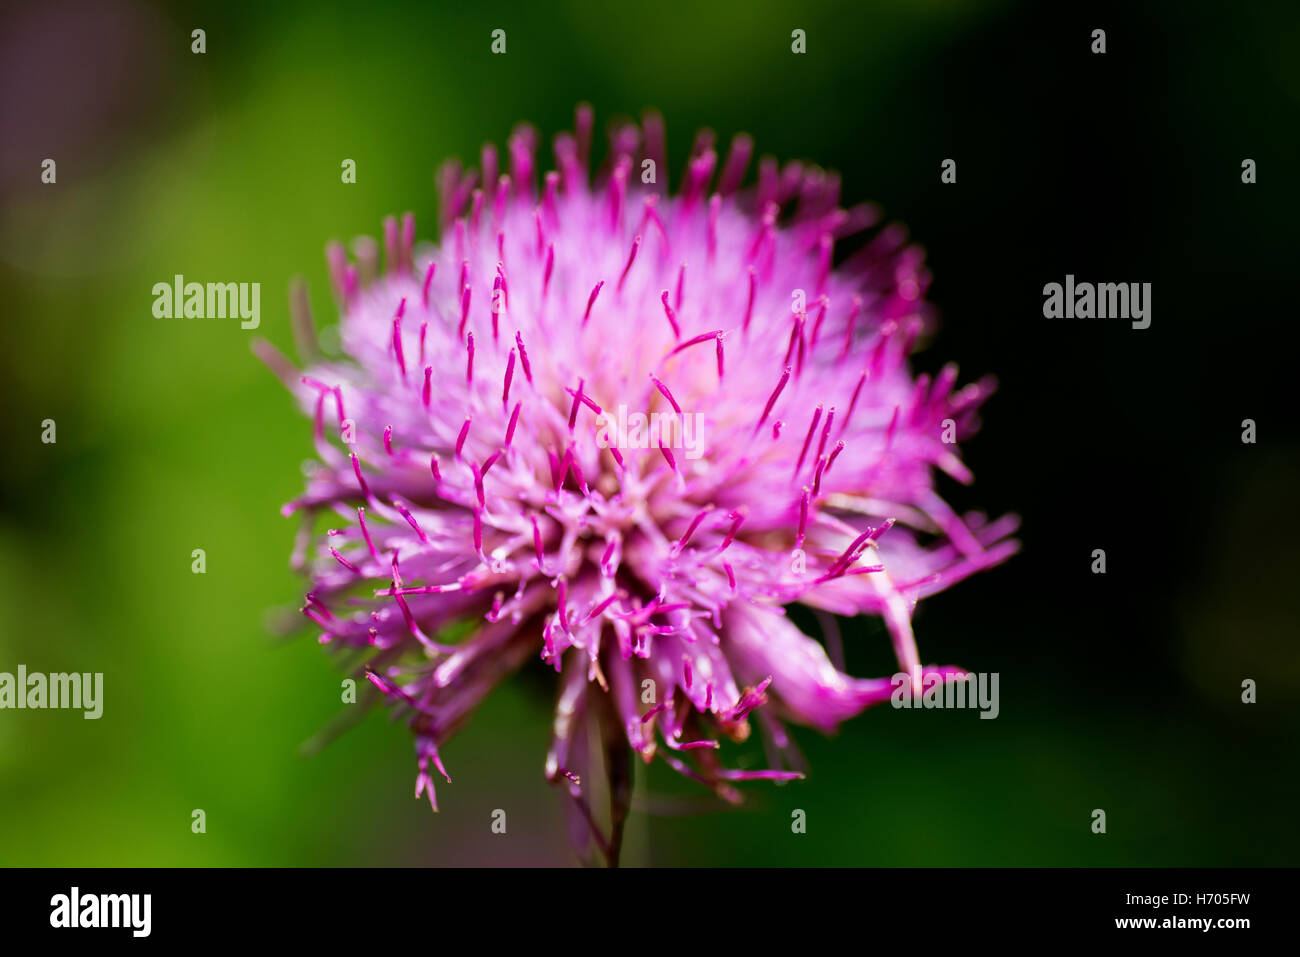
(1119, 691)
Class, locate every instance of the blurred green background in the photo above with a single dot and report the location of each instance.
(1121, 693)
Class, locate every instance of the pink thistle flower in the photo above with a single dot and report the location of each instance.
(465, 448)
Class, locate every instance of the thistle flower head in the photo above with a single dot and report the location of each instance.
(493, 505)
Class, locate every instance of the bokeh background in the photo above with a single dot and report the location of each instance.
(1119, 692)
